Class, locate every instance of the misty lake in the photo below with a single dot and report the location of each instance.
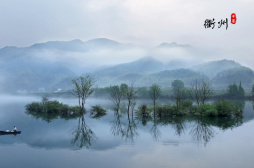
(114, 141)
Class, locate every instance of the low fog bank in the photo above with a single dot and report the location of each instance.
(15, 98)
(52, 65)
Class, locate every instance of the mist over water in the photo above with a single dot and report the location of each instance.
(178, 139)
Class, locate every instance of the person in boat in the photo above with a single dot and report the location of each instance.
(15, 129)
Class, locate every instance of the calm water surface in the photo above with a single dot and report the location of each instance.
(114, 141)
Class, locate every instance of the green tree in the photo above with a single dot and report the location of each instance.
(241, 90)
(131, 94)
(155, 92)
(116, 95)
(233, 90)
(178, 92)
(124, 88)
(236, 91)
(178, 97)
(177, 84)
(83, 88)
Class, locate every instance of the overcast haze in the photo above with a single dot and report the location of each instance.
(142, 22)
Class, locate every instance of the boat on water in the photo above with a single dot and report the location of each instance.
(9, 132)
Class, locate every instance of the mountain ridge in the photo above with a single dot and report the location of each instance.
(34, 64)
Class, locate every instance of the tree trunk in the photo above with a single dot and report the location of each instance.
(154, 108)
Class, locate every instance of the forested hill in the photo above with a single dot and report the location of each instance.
(235, 75)
(212, 68)
(51, 66)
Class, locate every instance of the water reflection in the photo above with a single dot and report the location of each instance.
(176, 122)
(156, 133)
(201, 129)
(130, 131)
(126, 130)
(83, 135)
(49, 117)
(202, 132)
(116, 128)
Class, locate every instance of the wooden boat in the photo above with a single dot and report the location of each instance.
(10, 132)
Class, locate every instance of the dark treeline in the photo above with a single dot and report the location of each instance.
(233, 91)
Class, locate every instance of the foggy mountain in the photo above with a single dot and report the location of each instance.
(234, 75)
(172, 45)
(51, 65)
(79, 46)
(212, 68)
(144, 65)
(146, 71)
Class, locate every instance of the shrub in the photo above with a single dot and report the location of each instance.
(98, 109)
(51, 107)
(144, 111)
(224, 108)
(187, 105)
(170, 111)
(206, 110)
(35, 107)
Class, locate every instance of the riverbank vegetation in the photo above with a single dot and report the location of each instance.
(191, 101)
(52, 109)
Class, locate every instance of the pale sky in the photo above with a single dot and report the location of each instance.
(142, 22)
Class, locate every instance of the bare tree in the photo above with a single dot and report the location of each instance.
(77, 90)
(133, 104)
(201, 92)
(155, 92)
(195, 91)
(83, 88)
(131, 94)
(206, 92)
(178, 96)
(116, 95)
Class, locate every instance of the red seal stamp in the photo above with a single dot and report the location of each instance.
(233, 18)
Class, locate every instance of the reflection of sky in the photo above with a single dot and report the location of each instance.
(49, 144)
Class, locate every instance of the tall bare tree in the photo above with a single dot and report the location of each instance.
(178, 96)
(116, 95)
(83, 88)
(178, 92)
(155, 92)
(201, 92)
(131, 94)
(206, 92)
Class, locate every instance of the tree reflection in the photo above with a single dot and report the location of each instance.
(125, 126)
(127, 131)
(177, 123)
(201, 132)
(84, 136)
(116, 128)
(49, 117)
(155, 131)
(130, 130)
